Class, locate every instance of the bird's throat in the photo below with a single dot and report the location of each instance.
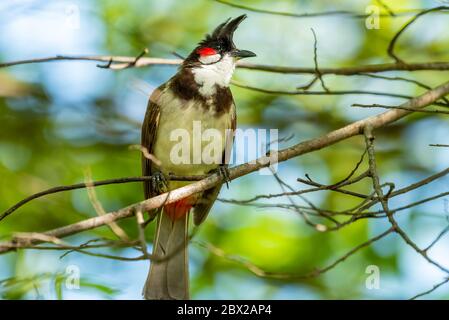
(209, 76)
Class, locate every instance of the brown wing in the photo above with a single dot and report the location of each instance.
(209, 196)
(148, 137)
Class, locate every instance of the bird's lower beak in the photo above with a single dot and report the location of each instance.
(240, 54)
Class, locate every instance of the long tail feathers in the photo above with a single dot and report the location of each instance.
(169, 279)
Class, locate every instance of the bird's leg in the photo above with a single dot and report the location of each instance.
(159, 182)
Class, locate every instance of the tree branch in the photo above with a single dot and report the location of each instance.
(123, 62)
(83, 185)
(308, 146)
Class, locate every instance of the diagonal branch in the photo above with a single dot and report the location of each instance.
(96, 204)
(446, 280)
(353, 129)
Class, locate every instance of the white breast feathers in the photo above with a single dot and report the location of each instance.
(209, 75)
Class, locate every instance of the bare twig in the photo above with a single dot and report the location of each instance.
(113, 62)
(315, 60)
(309, 84)
(93, 184)
(146, 154)
(397, 107)
(130, 64)
(389, 78)
(303, 92)
(446, 280)
(411, 187)
(439, 145)
(393, 41)
(141, 229)
(318, 187)
(27, 238)
(288, 276)
(387, 8)
(87, 245)
(303, 214)
(440, 235)
(344, 13)
(96, 204)
(369, 140)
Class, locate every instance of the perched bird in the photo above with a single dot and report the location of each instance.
(198, 95)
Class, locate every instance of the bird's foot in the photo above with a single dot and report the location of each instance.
(159, 182)
(223, 172)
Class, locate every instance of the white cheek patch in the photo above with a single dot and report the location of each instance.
(207, 76)
(210, 58)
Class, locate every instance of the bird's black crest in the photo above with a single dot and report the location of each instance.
(220, 39)
(225, 31)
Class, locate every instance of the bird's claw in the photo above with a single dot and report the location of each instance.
(223, 172)
(159, 182)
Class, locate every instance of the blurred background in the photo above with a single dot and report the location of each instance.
(59, 119)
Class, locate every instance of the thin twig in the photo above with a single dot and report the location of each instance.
(397, 107)
(289, 276)
(369, 140)
(98, 207)
(391, 46)
(387, 8)
(335, 13)
(315, 61)
(439, 145)
(396, 78)
(141, 229)
(93, 184)
(146, 154)
(446, 280)
(320, 93)
(439, 236)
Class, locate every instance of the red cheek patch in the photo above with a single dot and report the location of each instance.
(206, 51)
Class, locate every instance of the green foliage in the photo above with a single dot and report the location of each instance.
(50, 135)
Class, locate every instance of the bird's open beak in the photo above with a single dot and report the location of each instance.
(240, 54)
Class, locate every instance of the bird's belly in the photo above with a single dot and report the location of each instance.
(190, 140)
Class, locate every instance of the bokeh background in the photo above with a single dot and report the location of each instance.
(59, 119)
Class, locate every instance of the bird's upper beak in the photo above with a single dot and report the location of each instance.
(240, 54)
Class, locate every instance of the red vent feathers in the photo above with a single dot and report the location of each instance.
(178, 209)
(206, 51)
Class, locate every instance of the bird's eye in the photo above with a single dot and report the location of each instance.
(206, 51)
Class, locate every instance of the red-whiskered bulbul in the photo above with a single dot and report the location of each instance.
(198, 93)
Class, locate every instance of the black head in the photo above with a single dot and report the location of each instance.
(218, 44)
